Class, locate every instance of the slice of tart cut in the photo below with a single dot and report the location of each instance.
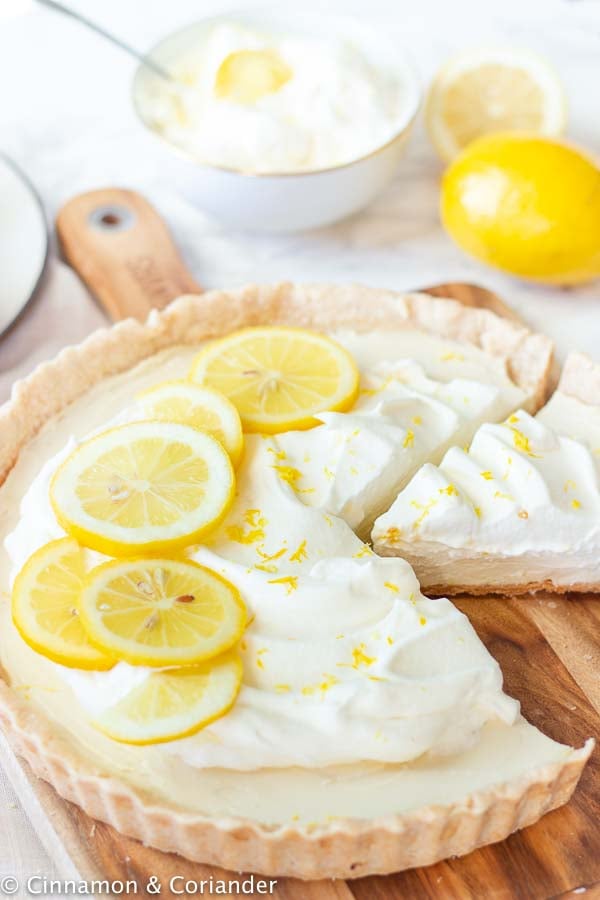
(517, 512)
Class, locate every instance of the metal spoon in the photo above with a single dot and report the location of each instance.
(140, 57)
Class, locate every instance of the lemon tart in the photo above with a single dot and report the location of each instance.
(337, 722)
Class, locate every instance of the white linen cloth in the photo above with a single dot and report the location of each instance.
(65, 118)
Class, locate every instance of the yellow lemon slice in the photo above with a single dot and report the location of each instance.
(174, 703)
(146, 487)
(489, 90)
(199, 407)
(247, 75)
(279, 378)
(45, 606)
(161, 612)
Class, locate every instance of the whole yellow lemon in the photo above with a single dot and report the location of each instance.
(528, 205)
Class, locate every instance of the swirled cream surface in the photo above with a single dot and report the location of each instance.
(344, 659)
(266, 102)
(521, 505)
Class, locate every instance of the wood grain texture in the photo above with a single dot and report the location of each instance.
(549, 651)
(121, 248)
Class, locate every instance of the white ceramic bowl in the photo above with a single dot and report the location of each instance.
(296, 200)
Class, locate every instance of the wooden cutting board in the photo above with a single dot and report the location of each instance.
(548, 648)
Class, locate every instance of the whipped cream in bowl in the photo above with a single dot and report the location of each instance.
(318, 106)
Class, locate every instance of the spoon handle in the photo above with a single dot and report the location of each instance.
(140, 57)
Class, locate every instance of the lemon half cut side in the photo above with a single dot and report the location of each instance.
(486, 90)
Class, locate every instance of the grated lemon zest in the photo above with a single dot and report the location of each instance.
(290, 582)
(425, 510)
(252, 531)
(299, 553)
(450, 491)
(446, 357)
(521, 442)
(360, 658)
(365, 550)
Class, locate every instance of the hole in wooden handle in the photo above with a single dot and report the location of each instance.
(111, 218)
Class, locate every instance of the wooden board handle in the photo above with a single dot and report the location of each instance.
(121, 248)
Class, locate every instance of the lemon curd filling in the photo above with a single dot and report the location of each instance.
(246, 76)
(344, 660)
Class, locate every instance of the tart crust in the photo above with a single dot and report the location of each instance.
(580, 378)
(506, 590)
(348, 848)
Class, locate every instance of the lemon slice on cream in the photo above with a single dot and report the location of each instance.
(279, 378)
(161, 612)
(45, 606)
(146, 487)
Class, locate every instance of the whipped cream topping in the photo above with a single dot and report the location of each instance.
(334, 107)
(344, 659)
(353, 465)
(528, 486)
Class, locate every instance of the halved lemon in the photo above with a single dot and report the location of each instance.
(45, 606)
(145, 487)
(488, 90)
(174, 703)
(199, 407)
(161, 612)
(279, 378)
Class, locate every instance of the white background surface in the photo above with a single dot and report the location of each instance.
(65, 118)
